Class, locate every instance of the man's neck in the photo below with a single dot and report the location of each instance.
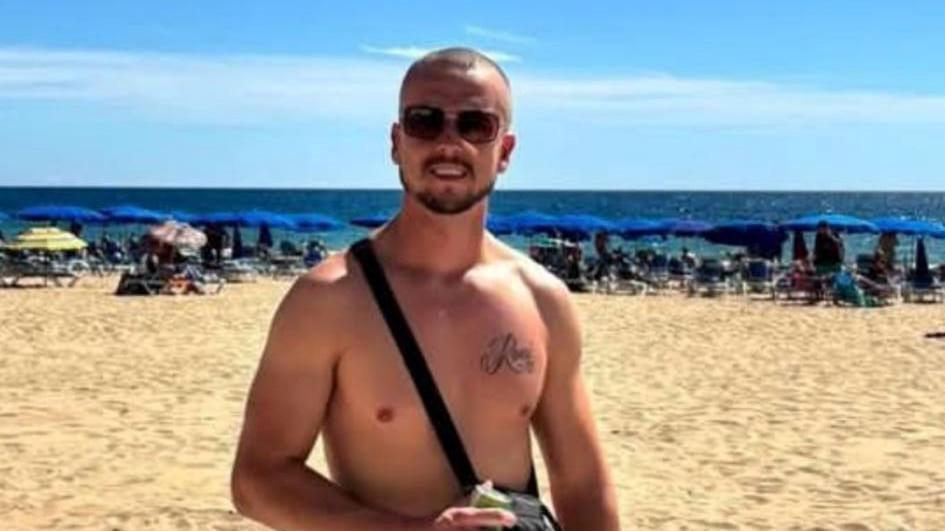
(435, 244)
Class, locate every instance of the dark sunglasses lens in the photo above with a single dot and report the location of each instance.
(477, 126)
(423, 122)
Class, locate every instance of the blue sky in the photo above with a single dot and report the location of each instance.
(804, 95)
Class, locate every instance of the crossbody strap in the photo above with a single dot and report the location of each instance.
(413, 357)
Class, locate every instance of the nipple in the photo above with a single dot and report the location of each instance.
(385, 414)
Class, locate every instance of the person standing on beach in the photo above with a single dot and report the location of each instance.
(500, 335)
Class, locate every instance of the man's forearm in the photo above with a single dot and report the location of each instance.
(588, 509)
(296, 498)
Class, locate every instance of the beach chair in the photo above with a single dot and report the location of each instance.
(922, 288)
(657, 273)
(758, 277)
(799, 284)
(194, 279)
(238, 271)
(140, 283)
(709, 279)
(16, 270)
(679, 273)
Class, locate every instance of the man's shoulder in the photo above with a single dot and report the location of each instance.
(543, 285)
(328, 286)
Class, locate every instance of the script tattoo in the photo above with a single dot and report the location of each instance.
(504, 350)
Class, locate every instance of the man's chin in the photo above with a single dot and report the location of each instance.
(446, 206)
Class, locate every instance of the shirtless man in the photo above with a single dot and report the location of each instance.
(499, 333)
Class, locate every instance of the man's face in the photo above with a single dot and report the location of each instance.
(450, 174)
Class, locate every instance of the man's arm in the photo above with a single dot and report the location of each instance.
(581, 489)
(284, 413)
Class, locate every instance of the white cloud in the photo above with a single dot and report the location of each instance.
(503, 36)
(408, 52)
(414, 52)
(223, 89)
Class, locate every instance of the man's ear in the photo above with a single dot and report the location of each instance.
(394, 143)
(505, 152)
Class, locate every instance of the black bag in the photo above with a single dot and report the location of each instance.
(532, 515)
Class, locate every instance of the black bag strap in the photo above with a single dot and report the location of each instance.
(413, 357)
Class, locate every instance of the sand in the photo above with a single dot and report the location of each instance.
(123, 413)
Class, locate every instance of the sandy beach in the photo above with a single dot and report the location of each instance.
(123, 413)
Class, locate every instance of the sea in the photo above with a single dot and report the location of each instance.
(711, 206)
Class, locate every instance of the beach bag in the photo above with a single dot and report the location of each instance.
(530, 512)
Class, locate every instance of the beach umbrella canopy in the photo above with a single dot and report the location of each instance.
(370, 222)
(799, 251)
(178, 234)
(497, 224)
(132, 214)
(582, 226)
(838, 222)
(215, 218)
(183, 217)
(74, 214)
(633, 228)
(532, 222)
(259, 218)
(744, 233)
(686, 227)
(913, 227)
(46, 239)
(314, 222)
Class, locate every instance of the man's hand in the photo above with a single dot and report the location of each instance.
(461, 516)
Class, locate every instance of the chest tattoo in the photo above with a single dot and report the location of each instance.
(505, 350)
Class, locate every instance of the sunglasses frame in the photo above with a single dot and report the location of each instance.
(451, 120)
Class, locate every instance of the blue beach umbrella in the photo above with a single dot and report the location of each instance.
(531, 222)
(838, 222)
(215, 218)
(582, 226)
(259, 218)
(315, 222)
(744, 233)
(74, 214)
(761, 238)
(370, 222)
(912, 227)
(686, 227)
(633, 228)
(183, 217)
(498, 224)
(132, 214)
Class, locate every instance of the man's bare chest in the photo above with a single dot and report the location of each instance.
(486, 352)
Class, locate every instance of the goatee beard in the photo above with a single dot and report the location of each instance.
(447, 206)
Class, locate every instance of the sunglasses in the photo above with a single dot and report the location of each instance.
(428, 123)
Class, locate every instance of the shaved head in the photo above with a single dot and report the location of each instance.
(464, 60)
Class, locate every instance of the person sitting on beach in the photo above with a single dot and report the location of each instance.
(886, 250)
(688, 258)
(828, 250)
(499, 333)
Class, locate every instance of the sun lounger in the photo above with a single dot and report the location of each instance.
(922, 288)
(13, 272)
(709, 279)
(758, 277)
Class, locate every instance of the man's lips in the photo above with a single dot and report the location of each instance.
(448, 170)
